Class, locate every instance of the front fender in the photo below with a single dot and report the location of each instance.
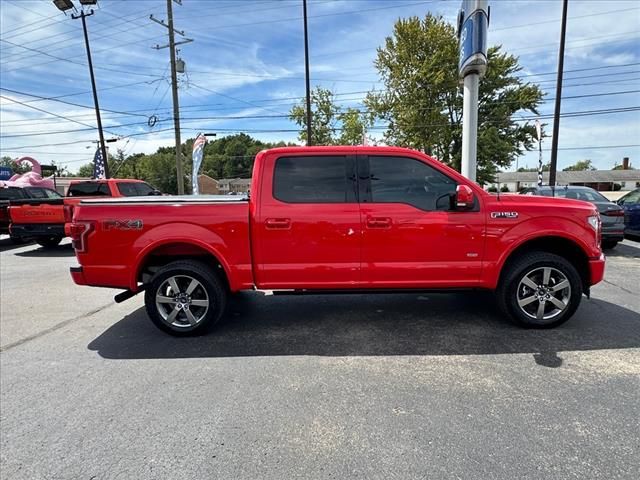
(502, 241)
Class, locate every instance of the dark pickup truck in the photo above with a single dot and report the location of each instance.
(43, 218)
(10, 193)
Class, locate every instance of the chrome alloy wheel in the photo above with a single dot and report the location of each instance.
(182, 301)
(544, 293)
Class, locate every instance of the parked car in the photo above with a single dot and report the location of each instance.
(611, 214)
(18, 193)
(43, 218)
(340, 219)
(630, 203)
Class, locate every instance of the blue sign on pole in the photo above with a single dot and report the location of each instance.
(473, 24)
(5, 173)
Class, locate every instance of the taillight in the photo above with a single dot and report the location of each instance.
(78, 233)
(613, 213)
(68, 213)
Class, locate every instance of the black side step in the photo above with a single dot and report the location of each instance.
(127, 294)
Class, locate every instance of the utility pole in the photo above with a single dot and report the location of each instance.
(174, 85)
(306, 69)
(556, 112)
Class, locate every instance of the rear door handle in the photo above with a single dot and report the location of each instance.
(278, 223)
(379, 222)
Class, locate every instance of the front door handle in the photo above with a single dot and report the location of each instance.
(378, 222)
(278, 223)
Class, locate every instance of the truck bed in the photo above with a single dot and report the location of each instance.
(128, 232)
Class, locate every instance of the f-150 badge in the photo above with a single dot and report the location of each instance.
(504, 214)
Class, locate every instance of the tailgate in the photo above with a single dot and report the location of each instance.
(31, 211)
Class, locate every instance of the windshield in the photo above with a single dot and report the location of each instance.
(38, 192)
(11, 193)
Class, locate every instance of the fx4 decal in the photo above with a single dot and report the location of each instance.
(122, 224)
(504, 214)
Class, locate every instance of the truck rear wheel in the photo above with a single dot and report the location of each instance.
(184, 298)
(49, 242)
(540, 290)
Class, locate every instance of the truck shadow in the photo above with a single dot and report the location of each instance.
(364, 325)
(6, 244)
(64, 250)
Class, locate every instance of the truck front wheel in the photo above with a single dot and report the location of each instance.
(185, 297)
(540, 290)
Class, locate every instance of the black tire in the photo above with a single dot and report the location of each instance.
(210, 289)
(530, 264)
(49, 242)
(609, 244)
(18, 240)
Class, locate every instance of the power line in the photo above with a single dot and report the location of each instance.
(70, 103)
(27, 147)
(375, 127)
(49, 113)
(556, 20)
(25, 122)
(75, 62)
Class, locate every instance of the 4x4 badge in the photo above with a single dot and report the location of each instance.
(504, 214)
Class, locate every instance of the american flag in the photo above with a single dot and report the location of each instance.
(196, 156)
(98, 165)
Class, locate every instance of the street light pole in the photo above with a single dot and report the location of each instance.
(103, 146)
(306, 69)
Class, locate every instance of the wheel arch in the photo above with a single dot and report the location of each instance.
(555, 244)
(158, 254)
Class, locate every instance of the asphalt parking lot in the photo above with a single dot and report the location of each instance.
(354, 386)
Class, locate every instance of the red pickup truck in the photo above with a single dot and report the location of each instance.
(328, 219)
(43, 219)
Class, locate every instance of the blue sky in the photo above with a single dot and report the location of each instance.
(247, 61)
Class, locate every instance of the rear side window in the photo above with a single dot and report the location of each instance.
(89, 189)
(135, 189)
(321, 179)
(407, 180)
(11, 193)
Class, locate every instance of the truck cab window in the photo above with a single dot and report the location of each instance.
(407, 180)
(89, 189)
(321, 179)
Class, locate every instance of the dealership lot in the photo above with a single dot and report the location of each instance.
(349, 386)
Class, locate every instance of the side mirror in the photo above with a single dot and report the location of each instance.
(464, 197)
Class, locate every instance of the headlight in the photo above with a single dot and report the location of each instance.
(594, 221)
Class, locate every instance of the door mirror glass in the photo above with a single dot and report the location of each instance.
(464, 197)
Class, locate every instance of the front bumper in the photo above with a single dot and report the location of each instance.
(37, 230)
(596, 270)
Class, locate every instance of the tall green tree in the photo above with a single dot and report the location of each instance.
(422, 100)
(324, 117)
(330, 123)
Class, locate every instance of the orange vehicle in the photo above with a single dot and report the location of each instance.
(43, 220)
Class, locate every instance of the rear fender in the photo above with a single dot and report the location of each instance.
(190, 234)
